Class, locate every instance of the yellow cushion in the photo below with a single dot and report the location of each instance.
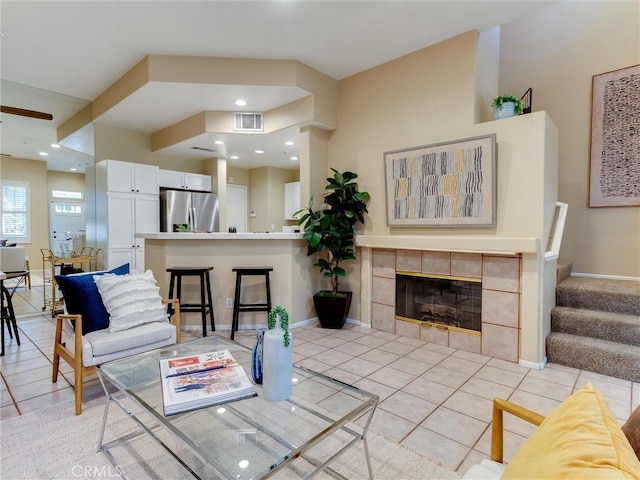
(579, 439)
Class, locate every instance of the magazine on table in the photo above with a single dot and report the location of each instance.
(202, 380)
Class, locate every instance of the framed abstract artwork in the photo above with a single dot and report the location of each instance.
(442, 185)
(614, 178)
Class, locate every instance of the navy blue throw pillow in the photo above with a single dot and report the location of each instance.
(81, 297)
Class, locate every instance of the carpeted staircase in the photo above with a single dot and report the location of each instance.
(596, 325)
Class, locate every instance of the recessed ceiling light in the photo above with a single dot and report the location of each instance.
(259, 151)
(241, 103)
(219, 142)
(73, 169)
(55, 145)
(294, 158)
(44, 154)
(234, 157)
(289, 142)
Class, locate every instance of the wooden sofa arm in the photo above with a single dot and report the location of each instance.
(61, 350)
(175, 318)
(500, 405)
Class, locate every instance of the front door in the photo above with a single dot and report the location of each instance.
(66, 225)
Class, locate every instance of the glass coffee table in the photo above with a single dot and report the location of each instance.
(249, 438)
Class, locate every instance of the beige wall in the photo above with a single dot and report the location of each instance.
(131, 146)
(73, 182)
(35, 173)
(238, 176)
(41, 183)
(266, 197)
(428, 97)
(400, 104)
(556, 51)
(422, 98)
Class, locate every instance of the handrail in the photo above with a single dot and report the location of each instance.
(527, 101)
(557, 230)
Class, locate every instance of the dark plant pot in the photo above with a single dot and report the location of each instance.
(332, 310)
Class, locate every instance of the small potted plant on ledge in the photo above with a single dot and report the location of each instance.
(329, 231)
(506, 106)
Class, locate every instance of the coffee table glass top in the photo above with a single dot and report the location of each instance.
(252, 437)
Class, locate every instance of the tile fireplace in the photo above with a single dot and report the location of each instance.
(440, 301)
(482, 318)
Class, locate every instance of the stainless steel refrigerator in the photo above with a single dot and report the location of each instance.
(181, 210)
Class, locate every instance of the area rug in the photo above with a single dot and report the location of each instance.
(54, 443)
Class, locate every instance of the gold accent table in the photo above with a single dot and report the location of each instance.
(53, 261)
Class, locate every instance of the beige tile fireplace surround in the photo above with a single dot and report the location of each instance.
(501, 298)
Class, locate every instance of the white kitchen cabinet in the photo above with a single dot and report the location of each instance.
(195, 181)
(291, 200)
(128, 214)
(185, 180)
(131, 177)
(120, 215)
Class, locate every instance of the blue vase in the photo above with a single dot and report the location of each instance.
(256, 357)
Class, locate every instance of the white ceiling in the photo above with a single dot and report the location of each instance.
(77, 49)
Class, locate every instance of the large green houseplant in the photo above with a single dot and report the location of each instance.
(329, 231)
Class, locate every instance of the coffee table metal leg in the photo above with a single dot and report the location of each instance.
(143, 429)
(364, 441)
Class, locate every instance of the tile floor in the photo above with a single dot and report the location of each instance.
(434, 399)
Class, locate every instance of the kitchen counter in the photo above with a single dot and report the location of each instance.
(294, 280)
(219, 236)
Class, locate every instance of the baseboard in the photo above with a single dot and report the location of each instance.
(610, 277)
(302, 323)
(533, 365)
(358, 323)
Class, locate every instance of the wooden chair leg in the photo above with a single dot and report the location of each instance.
(77, 383)
(78, 369)
(74, 359)
(56, 355)
(175, 319)
(26, 266)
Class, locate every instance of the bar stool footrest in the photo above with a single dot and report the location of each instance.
(253, 309)
(192, 306)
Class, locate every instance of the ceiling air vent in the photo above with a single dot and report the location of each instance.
(247, 122)
(204, 149)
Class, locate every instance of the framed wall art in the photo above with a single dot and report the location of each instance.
(442, 185)
(614, 178)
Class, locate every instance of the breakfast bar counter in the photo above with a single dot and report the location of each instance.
(219, 236)
(293, 280)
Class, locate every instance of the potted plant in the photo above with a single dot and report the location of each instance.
(329, 231)
(506, 106)
(277, 356)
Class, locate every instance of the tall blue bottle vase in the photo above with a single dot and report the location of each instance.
(257, 356)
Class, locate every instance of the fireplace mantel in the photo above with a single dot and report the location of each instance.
(453, 243)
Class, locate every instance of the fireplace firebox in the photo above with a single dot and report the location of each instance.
(441, 301)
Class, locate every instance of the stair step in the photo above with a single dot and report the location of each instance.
(563, 269)
(614, 327)
(617, 296)
(594, 355)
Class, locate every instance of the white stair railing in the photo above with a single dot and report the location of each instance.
(557, 229)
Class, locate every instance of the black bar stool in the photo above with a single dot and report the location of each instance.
(8, 316)
(205, 284)
(249, 307)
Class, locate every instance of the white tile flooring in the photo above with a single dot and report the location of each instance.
(434, 399)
